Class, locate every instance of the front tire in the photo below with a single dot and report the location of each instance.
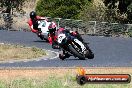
(91, 55)
(75, 53)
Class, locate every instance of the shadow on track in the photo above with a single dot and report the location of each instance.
(41, 41)
(73, 59)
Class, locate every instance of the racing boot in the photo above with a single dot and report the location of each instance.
(63, 55)
(55, 45)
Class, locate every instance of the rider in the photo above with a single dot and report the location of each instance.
(53, 32)
(52, 35)
(33, 22)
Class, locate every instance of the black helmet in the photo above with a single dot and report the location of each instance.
(32, 15)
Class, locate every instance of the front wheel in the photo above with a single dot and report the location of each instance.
(90, 55)
(75, 53)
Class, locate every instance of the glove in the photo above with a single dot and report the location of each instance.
(39, 30)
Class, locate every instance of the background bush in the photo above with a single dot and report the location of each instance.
(61, 8)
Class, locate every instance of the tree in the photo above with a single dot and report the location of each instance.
(8, 5)
(92, 12)
(129, 13)
(60, 8)
(121, 8)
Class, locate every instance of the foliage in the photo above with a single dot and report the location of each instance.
(93, 12)
(122, 6)
(60, 8)
(129, 13)
(8, 5)
(122, 9)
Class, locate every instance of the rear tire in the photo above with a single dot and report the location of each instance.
(75, 53)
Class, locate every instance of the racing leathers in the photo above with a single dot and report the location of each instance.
(33, 23)
(53, 37)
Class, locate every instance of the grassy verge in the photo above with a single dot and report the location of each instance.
(16, 52)
(53, 82)
(56, 78)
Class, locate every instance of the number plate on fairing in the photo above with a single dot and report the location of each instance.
(81, 44)
(61, 37)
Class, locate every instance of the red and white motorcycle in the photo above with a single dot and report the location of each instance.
(70, 45)
(43, 26)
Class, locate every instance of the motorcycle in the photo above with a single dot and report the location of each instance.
(43, 27)
(71, 46)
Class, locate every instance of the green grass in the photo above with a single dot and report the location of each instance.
(54, 82)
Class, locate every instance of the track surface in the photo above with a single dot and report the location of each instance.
(109, 52)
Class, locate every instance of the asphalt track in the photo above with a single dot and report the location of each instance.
(109, 52)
